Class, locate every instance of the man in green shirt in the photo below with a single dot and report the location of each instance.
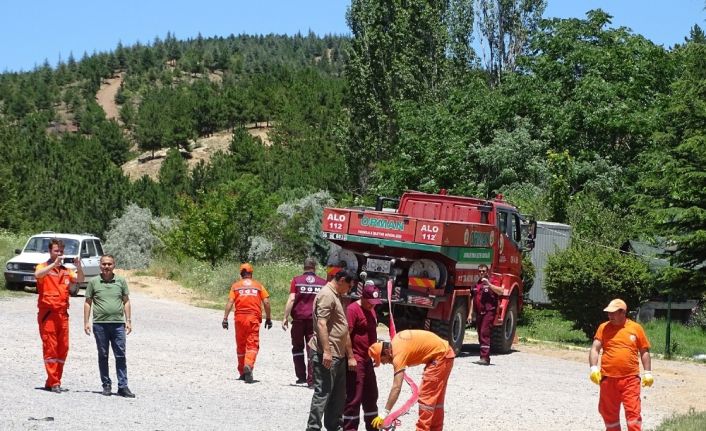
(109, 296)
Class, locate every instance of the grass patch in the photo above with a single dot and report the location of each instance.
(686, 341)
(8, 243)
(691, 421)
(213, 283)
(548, 325)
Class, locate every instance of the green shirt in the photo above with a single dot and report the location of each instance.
(107, 299)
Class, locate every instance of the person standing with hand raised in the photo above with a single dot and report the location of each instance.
(53, 286)
(485, 301)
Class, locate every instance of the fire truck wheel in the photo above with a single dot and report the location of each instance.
(454, 330)
(504, 335)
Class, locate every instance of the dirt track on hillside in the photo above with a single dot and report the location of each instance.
(106, 96)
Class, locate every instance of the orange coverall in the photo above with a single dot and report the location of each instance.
(247, 295)
(416, 347)
(53, 319)
(621, 373)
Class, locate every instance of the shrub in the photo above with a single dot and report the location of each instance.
(298, 229)
(8, 243)
(131, 237)
(583, 279)
(220, 223)
(261, 249)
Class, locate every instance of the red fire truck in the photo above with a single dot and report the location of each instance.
(424, 256)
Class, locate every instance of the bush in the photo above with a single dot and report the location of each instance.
(221, 223)
(261, 249)
(298, 231)
(131, 238)
(8, 243)
(582, 280)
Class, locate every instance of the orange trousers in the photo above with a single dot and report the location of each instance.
(247, 339)
(617, 390)
(432, 393)
(54, 330)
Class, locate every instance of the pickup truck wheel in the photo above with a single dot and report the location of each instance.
(454, 330)
(504, 335)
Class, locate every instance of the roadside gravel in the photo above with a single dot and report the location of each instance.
(181, 366)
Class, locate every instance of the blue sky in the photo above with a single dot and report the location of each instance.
(34, 30)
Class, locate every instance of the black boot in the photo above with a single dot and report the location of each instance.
(107, 390)
(125, 392)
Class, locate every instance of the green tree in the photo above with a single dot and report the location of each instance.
(674, 179)
(561, 171)
(398, 52)
(151, 124)
(111, 137)
(582, 279)
(221, 223)
(173, 178)
(505, 27)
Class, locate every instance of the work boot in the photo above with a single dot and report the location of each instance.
(107, 390)
(125, 392)
(300, 381)
(241, 377)
(56, 389)
(247, 374)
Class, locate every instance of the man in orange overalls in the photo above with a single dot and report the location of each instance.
(622, 341)
(407, 349)
(53, 283)
(247, 295)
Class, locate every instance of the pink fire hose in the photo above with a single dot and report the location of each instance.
(391, 419)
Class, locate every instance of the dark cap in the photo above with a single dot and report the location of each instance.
(371, 293)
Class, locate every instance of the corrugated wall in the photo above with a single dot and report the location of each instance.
(551, 237)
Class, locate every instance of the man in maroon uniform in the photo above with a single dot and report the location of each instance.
(302, 292)
(485, 300)
(361, 385)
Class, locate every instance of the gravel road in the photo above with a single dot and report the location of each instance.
(181, 366)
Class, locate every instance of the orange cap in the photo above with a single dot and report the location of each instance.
(615, 305)
(246, 267)
(375, 352)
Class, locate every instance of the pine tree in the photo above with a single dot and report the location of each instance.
(675, 181)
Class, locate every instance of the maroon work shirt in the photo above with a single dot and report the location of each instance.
(305, 287)
(362, 325)
(485, 299)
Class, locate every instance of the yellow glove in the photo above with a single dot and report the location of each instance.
(647, 379)
(380, 419)
(596, 375)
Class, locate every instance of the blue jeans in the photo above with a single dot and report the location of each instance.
(112, 334)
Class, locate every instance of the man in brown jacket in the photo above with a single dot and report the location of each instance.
(332, 345)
